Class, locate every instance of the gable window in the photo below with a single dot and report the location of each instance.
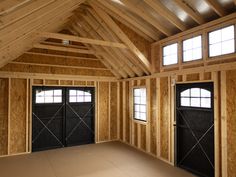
(192, 49)
(140, 104)
(222, 41)
(196, 97)
(48, 96)
(170, 54)
(79, 96)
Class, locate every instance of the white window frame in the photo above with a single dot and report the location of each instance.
(140, 104)
(170, 54)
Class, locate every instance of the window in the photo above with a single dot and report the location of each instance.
(49, 96)
(170, 54)
(140, 112)
(196, 97)
(222, 41)
(79, 96)
(192, 49)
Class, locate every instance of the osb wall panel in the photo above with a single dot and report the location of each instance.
(103, 107)
(18, 115)
(192, 77)
(3, 116)
(143, 137)
(231, 121)
(164, 117)
(135, 134)
(54, 70)
(121, 110)
(153, 106)
(127, 113)
(142, 44)
(113, 110)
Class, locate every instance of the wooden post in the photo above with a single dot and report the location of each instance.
(9, 117)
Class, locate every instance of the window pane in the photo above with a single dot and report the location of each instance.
(39, 93)
(49, 99)
(137, 115)
(79, 92)
(142, 108)
(228, 33)
(197, 53)
(188, 55)
(73, 92)
(137, 100)
(49, 93)
(195, 102)
(206, 102)
(228, 47)
(143, 100)
(185, 93)
(215, 49)
(136, 108)
(87, 93)
(72, 99)
(170, 54)
(143, 92)
(187, 44)
(137, 92)
(143, 116)
(39, 99)
(215, 37)
(58, 92)
(195, 92)
(205, 93)
(87, 99)
(185, 101)
(80, 99)
(57, 99)
(197, 42)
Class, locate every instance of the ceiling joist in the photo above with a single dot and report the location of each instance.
(216, 7)
(81, 39)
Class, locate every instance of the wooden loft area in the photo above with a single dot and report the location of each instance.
(98, 29)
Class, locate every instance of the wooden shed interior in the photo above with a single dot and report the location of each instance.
(157, 78)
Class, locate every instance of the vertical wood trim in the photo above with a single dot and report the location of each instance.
(109, 112)
(216, 124)
(224, 155)
(124, 111)
(169, 119)
(139, 135)
(97, 115)
(30, 114)
(173, 121)
(9, 117)
(118, 110)
(27, 116)
(148, 145)
(131, 132)
(158, 129)
(132, 113)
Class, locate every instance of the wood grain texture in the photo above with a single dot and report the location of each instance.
(18, 116)
(51, 82)
(231, 122)
(143, 137)
(127, 118)
(103, 107)
(113, 110)
(164, 117)
(153, 105)
(121, 111)
(3, 116)
(192, 77)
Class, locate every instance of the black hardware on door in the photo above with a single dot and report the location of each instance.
(195, 128)
(62, 117)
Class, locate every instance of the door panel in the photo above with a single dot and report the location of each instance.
(195, 128)
(57, 122)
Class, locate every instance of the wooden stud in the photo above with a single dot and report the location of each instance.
(158, 118)
(124, 111)
(9, 116)
(27, 117)
(148, 124)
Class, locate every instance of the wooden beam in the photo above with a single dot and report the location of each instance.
(61, 44)
(114, 27)
(81, 39)
(216, 7)
(121, 16)
(166, 13)
(61, 56)
(64, 49)
(195, 15)
(143, 14)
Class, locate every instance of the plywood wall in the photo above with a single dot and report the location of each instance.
(231, 121)
(4, 116)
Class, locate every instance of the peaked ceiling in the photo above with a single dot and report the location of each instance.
(99, 28)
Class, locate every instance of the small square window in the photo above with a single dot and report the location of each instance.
(192, 49)
(222, 41)
(170, 54)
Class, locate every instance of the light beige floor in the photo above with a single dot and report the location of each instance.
(101, 160)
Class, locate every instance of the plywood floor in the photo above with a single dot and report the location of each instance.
(101, 160)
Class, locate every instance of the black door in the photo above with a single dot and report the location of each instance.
(195, 128)
(61, 118)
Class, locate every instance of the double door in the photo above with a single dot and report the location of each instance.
(62, 117)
